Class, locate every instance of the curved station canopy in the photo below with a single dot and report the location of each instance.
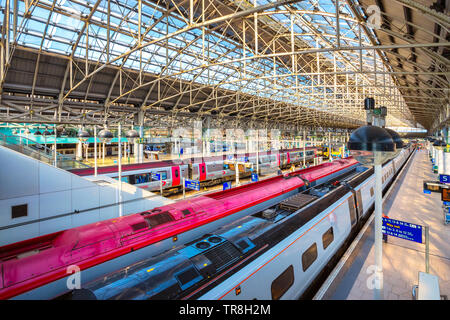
(236, 63)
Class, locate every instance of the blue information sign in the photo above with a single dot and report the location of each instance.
(254, 177)
(227, 185)
(192, 184)
(156, 176)
(401, 229)
(444, 178)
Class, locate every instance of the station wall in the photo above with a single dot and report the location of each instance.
(48, 191)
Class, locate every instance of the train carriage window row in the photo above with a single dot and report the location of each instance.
(282, 283)
(327, 238)
(309, 256)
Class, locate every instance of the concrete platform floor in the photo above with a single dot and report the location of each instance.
(403, 259)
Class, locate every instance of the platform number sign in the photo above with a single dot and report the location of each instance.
(444, 178)
(254, 177)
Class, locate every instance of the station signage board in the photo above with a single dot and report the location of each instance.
(155, 176)
(434, 186)
(227, 185)
(254, 177)
(192, 184)
(444, 178)
(402, 229)
(445, 194)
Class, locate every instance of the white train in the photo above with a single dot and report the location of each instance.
(274, 254)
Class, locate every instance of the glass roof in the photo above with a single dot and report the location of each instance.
(213, 59)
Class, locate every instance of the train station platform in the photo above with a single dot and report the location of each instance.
(402, 259)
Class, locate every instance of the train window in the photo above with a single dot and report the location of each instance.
(327, 238)
(203, 169)
(142, 178)
(176, 173)
(19, 211)
(371, 192)
(309, 256)
(282, 283)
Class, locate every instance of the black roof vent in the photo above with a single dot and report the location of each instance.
(202, 245)
(214, 239)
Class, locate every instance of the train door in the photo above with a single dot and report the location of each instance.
(176, 176)
(278, 159)
(352, 209)
(288, 157)
(202, 171)
(359, 203)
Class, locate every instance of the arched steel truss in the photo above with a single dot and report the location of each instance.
(308, 63)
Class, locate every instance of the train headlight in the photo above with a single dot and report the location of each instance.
(371, 145)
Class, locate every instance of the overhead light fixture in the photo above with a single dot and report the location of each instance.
(397, 140)
(131, 135)
(83, 134)
(105, 135)
(371, 145)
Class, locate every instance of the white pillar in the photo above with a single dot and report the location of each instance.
(86, 146)
(120, 170)
(440, 162)
(330, 149)
(95, 151)
(141, 145)
(257, 153)
(55, 149)
(79, 154)
(304, 148)
(378, 293)
(446, 161)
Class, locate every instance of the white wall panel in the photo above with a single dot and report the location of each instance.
(52, 179)
(5, 212)
(55, 203)
(19, 233)
(79, 182)
(55, 225)
(18, 175)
